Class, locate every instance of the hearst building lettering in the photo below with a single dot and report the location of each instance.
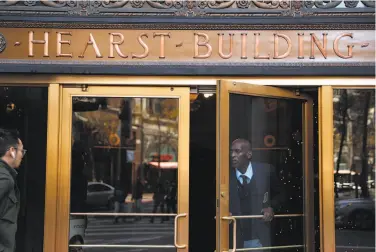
(202, 39)
(193, 46)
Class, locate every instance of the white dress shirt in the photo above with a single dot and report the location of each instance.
(248, 174)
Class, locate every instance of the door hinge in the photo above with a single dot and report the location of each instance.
(297, 92)
(84, 87)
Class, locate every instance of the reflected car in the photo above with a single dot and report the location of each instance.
(77, 229)
(355, 213)
(371, 184)
(100, 195)
(345, 186)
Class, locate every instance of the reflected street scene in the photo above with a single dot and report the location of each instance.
(354, 169)
(123, 169)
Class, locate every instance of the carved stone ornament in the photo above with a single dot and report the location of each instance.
(187, 8)
(330, 4)
(3, 43)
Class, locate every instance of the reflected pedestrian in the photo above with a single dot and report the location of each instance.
(137, 193)
(159, 199)
(119, 200)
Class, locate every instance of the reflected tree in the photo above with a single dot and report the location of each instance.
(354, 135)
(342, 107)
(364, 155)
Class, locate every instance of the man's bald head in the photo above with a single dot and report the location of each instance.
(244, 143)
(241, 153)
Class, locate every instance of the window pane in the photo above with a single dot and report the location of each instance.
(25, 109)
(266, 148)
(125, 150)
(354, 169)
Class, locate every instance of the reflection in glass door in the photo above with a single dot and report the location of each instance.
(127, 178)
(264, 190)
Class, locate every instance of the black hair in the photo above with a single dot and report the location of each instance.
(8, 138)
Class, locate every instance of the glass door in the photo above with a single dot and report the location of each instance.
(264, 169)
(123, 176)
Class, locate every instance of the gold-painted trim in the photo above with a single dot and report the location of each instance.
(174, 26)
(223, 113)
(183, 163)
(42, 79)
(63, 197)
(309, 225)
(326, 167)
(95, 80)
(51, 167)
(355, 87)
(218, 222)
(224, 88)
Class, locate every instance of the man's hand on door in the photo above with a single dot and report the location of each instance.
(268, 214)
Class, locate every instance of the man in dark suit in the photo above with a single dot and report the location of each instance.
(254, 190)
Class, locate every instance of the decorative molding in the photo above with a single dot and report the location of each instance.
(183, 8)
(172, 26)
(184, 63)
(3, 43)
(336, 3)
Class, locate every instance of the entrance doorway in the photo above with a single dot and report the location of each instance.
(124, 177)
(132, 177)
(264, 169)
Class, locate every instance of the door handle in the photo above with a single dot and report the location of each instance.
(229, 218)
(176, 229)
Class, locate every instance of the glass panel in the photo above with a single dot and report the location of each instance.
(354, 169)
(24, 109)
(266, 174)
(124, 160)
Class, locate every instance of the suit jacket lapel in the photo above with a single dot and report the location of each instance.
(261, 183)
(256, 178)
(234, 196)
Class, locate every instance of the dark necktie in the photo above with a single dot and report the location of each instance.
(245, 179)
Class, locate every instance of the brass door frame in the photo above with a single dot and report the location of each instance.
(55, 82)
(326, 168)
(52, 163)
(103, 80)
(326, 162)
(51, 153)
(224, 88)
(63, 171)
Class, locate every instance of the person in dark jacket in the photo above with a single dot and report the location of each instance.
(11, 154)
(254, 190)
(137, 193)
(171, 199)
(159, 199)
(119, 199)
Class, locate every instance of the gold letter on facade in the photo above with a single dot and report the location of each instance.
(276, 46)
(257, 52)
(95, 46)
(144, 45)
(300, 46)
(322, 47)
(60, 42)
(244, 46)
(32, 42)
(220, 46)
(349, 47)
(162, 50)
(202, 43)
(115, 44)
